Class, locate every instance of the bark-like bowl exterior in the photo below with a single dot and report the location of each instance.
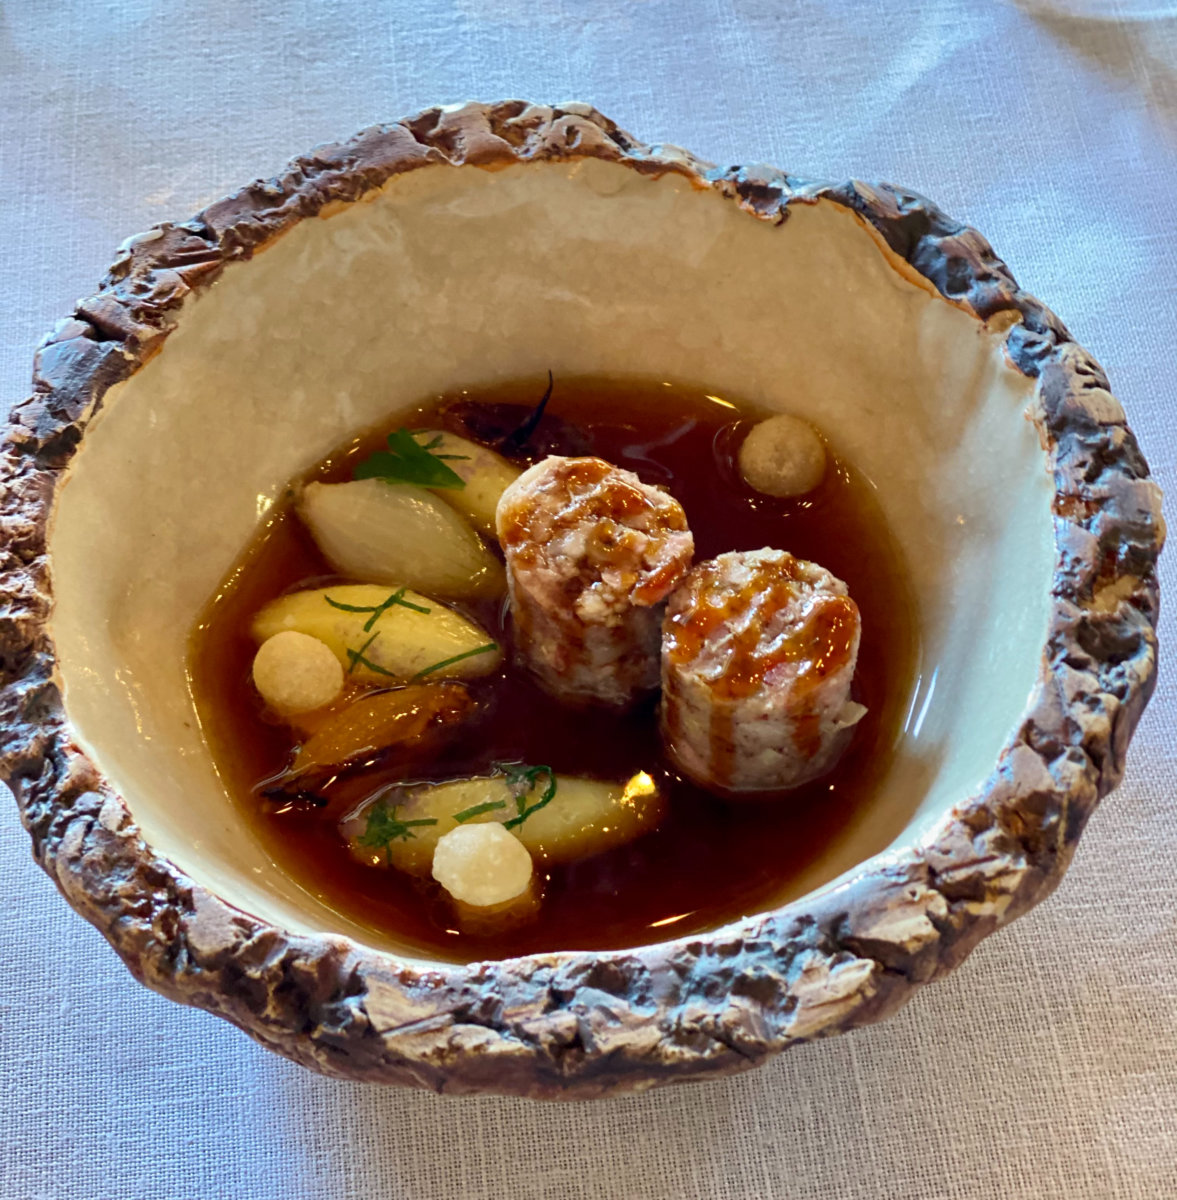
(588, 1024)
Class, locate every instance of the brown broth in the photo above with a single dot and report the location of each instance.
(709, 862)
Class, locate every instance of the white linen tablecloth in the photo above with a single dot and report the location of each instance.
(1047, 1065)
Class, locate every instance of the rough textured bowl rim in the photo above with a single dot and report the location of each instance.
(588, 1024)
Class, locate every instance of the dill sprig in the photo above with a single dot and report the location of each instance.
(449, 662)
(356, 658)
(378, 610)
(523, 780)
(476, 810)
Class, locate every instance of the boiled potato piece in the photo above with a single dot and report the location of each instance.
(399, 533)
(585, 817)
(486, 475)
(401, 643)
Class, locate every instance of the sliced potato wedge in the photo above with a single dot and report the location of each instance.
(588, 816)
(397, 533)
(408, 639)
(486, 476)
(584, 817)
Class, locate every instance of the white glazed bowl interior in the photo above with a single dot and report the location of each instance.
(457, 277)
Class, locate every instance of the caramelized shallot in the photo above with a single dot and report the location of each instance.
(411, 720)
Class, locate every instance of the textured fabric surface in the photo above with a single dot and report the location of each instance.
(1047, 1066)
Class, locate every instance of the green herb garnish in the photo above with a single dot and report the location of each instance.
(355, 658)
(377, 610)
(408, 461)
(477, 810)
(523, 780)
(385, 827)
(449, 662)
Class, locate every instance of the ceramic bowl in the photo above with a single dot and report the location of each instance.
(486, 243)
